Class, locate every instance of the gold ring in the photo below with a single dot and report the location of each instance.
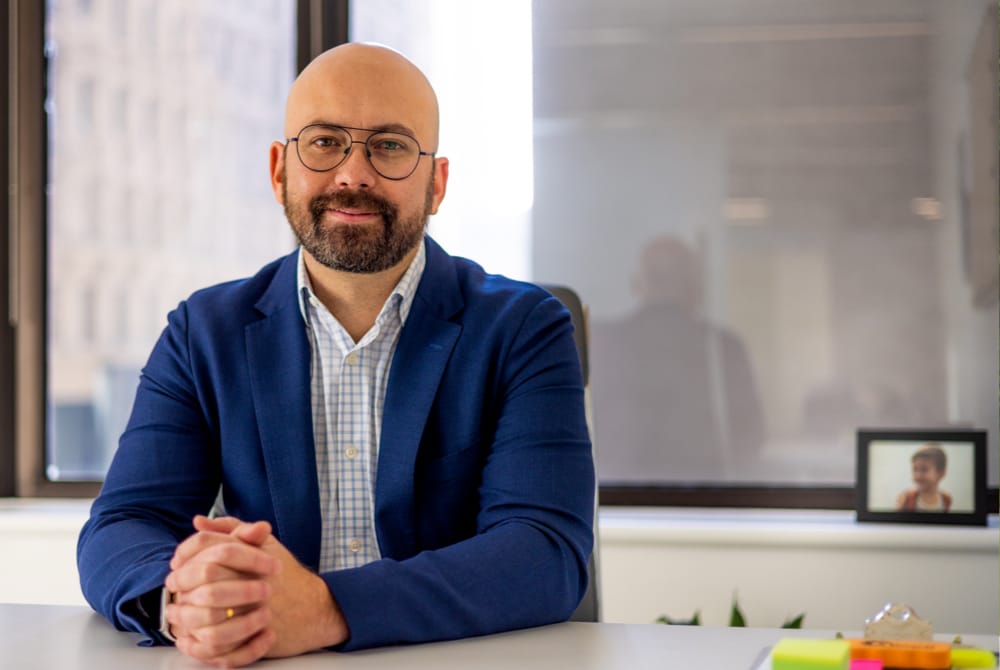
(230, 612)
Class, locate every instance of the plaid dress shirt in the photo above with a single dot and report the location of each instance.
(348, 393)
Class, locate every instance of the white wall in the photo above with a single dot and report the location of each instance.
(38, 551)
(783, 563)
(671, 562)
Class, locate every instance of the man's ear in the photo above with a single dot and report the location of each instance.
(277, 162)
(440, 182)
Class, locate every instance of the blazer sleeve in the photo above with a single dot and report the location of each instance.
(163, 473)
(526, 565)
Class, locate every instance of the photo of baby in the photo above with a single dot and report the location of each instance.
(919, 476)
(928, 465)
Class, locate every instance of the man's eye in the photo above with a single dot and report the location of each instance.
(325, 143)
(390, 146)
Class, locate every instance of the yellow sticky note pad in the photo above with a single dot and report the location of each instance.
(967, 657)
(797, 654)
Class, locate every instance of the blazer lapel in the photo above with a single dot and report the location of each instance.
(424, 347)
(279, 359)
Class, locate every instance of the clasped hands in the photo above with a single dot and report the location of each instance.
(237, 595)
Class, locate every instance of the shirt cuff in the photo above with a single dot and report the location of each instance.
(165, 598)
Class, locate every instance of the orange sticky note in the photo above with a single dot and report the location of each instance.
(904, 654)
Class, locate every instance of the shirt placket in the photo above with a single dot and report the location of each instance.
(326, 360)
(355, 449)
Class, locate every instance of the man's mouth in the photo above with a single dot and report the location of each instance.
(350, 215)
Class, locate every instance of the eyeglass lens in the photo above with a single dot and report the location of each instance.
(393, 155)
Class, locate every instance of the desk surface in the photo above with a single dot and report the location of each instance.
(74, 638)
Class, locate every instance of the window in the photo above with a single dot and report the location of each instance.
(767, 209)
(483, 79)
(797, 197)
(129, 147)
(91, 382)
(85, 106)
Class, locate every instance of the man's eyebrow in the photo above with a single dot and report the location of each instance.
(395, 128)
(380, 128)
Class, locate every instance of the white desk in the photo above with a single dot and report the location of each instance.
(47, 637)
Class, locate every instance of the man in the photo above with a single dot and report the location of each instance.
(399, 438)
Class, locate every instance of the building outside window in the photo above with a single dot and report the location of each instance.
(157, 187)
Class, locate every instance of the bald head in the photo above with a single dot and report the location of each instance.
(364, 86)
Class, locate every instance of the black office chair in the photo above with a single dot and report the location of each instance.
(589, 608)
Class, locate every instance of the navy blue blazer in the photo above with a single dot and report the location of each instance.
(484, 483)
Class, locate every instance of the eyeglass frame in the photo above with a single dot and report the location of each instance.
(367, 152)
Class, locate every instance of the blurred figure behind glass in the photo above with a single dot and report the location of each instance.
(674, 395)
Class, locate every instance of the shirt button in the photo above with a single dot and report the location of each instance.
(354, 546)
(351, 452)
(351, 359)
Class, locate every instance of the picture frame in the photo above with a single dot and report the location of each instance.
(900, 480)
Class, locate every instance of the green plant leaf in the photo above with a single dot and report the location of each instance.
(736, 619)
(794, 623)
(695, 620)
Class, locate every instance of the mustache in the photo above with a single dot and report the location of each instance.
(352, 200)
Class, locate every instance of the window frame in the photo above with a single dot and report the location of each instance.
(734, 496)
(27, 238)
(7, 474)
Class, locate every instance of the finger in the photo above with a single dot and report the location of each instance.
(195, 544)
(204, 540)
(195, 574)
(221, 595)
(184, 618)
(220, 524)
(254, 649)
(222, 633)
(223, 561)
(239, 655)
(255, 533)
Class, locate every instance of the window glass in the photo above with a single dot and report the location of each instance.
(157, 186)
(483, 82)
(782, 215)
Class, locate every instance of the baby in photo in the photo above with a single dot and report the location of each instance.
(929, 465)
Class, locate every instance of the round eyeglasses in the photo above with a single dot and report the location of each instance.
(394, 156)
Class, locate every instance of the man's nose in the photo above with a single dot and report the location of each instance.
(355, 170)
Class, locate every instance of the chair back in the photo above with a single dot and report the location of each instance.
(589, 608)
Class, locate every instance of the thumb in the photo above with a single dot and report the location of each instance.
(256, 533)
(222, 524)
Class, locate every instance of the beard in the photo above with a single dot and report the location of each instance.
(357, 248)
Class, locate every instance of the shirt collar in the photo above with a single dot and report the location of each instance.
(405, 289)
